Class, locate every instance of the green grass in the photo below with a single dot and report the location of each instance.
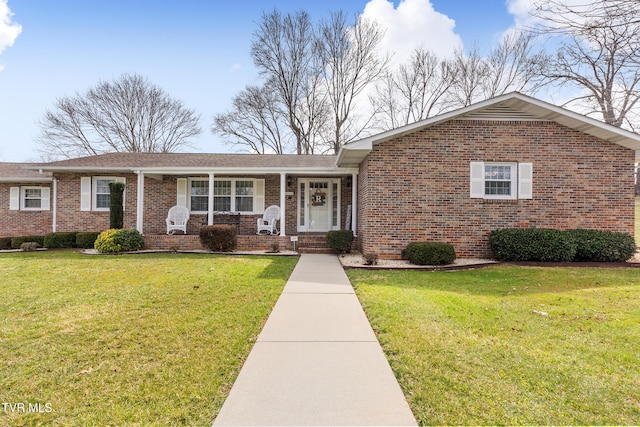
(475, 347)
(129, 340)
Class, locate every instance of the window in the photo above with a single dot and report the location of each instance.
(29, 198)
(199, 195)
(229, 195)
(95, 192)
(493, 180)
(498, 180)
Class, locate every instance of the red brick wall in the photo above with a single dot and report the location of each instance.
(23, 223)
(416, 187)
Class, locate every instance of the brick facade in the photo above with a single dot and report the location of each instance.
(417, 187)
(23, 223)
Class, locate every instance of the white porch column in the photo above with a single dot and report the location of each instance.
(354, 203)
(283, 203)
(140, 203)
(54, 205)
(210, 205)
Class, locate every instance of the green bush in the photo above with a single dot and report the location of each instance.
(218, 237)
(602, 246)
(532, 244)
(60, 240)
(430, 253)
(5, 243)
(116, 204)
(340, 240)
(16, 242)
(118, 240)
(86, 239)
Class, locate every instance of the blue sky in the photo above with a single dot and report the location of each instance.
(195, 50)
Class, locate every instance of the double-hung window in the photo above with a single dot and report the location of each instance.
(95, 194)
(229, 195)
(29, 198)
(501, 180)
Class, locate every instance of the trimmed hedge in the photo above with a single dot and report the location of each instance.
(602, 246)
(86, 239)
(60, 240)
(5, 243)
(118, 240)
(16, 242)
(430, 253)
(547, 245)
(340, 240)
(218, 237)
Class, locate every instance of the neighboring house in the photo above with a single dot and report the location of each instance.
(511, 161)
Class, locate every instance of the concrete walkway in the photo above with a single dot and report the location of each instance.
(317, 360)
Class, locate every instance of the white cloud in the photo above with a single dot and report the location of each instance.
(235, 68)
(413, 24)
(9, 30)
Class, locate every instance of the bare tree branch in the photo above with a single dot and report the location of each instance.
(128, 114)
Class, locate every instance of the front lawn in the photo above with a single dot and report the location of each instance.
(128, 340)
(511, 345)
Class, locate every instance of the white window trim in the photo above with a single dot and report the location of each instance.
(232, 195)
(94, 193)
(23, 198)
(521, 181)
(513, 191)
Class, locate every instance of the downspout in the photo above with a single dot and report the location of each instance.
(54, 207)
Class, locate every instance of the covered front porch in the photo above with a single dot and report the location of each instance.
(310, 204)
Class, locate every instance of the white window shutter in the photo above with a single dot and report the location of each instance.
(258, 196)
(477, 180)
(181, 199)
(14, 198)
(45, 198)
(525, 181)
(85, 193)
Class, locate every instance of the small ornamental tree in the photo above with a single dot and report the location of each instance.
(116, 208)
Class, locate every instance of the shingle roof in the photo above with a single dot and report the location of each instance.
(191, 160)
(16, 172)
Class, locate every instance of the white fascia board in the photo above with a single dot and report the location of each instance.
(203, 170)
(26, 179)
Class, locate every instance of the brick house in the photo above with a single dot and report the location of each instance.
(511, 161)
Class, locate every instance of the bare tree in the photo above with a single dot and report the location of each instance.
(470, 71)
(283, 51)
(128, 114)
(413, 93)
(599, 54)
(351, 63)
(255, 123)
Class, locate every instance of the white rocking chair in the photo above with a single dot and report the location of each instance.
(269, 219)
(177, 219)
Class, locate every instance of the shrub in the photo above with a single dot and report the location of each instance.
(117, 240)
(60, 240)
(370, 259)
(430, 253)
(340, 240)
(218, 237)
(532, 244)
(86, 239)
(5, 243)
(30, 246)
(602, 246)
(16, 242)
(116, 209)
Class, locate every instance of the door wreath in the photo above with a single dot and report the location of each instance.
(318, 198)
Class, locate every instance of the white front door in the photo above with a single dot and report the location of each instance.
(318, 204)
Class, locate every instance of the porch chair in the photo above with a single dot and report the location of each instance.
(177, 219)
(269, 219)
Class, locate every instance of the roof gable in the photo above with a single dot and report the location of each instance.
(510, 107)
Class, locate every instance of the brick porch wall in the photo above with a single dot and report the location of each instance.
(23, 223)
(416, 187)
